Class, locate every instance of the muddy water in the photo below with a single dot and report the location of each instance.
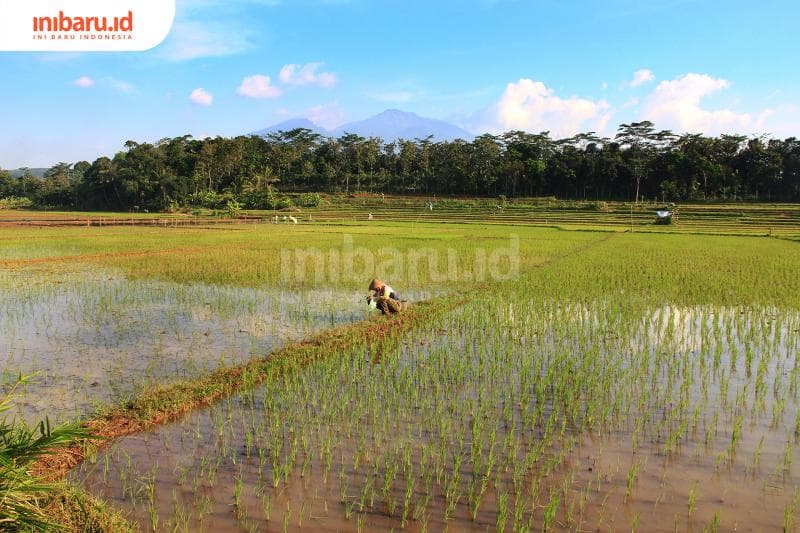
(95, 337)
(308, 451)
(191, 492)
(753, 492)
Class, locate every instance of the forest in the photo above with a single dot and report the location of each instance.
(638, 163)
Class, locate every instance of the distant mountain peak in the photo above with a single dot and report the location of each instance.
(292, 124)
(396, 113)
(390, 125)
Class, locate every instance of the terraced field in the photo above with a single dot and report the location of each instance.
(780, 220)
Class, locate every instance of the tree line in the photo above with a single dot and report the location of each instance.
(639, 162)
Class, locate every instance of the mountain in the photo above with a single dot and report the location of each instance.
(393, 124)
(291, 124)
(18, 172)
(390, 125)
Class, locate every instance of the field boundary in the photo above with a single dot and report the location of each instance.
(771, 219)
(168, 403)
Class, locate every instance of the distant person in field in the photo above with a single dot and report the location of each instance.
(384, 297)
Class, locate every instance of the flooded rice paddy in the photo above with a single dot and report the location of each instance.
(94, 337)
(506, 414)
(620, 381)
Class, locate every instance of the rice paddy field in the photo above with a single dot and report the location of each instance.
(543, 379)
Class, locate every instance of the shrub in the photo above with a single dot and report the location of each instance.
(15, 202)
(173, 206)
(210, 199)
(311, 199)
(233, 209)
(284, 203)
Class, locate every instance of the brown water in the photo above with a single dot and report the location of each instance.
(688, 427)
(746, 494)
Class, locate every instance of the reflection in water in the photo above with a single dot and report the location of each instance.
(95, 337)
(583, 415)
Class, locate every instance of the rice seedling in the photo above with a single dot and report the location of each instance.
(483, 414)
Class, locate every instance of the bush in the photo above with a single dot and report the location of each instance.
(259, 199)
(284, 203)
(173, 206)
(15, 202)
(311, 199)
(598, 206)
(233, 209)
(210, 199)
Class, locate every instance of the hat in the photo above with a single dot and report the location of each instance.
(374, 284)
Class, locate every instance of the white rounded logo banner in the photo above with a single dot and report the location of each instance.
(84, 25)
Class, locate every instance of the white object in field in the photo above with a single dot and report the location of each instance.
(663, 214)
(372, 303)
(292, 219)
(275, 219)
(370, 216)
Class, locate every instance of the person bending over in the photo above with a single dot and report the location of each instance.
(384, 297)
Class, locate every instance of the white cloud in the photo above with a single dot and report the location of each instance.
(107, 81)
(83, 81)
(120, 86)
(192, 39)
(675, 104)
(604, 85)
(306, 75)
(640, 77)
(781, 121)
(201, 97)
(328, 115)
(258, 86)
(530, 106)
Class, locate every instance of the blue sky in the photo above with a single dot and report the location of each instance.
(232, 67)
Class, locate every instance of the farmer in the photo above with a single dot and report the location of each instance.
(384, 297)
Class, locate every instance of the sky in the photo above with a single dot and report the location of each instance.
(236, 66)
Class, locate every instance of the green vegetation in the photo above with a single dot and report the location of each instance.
(15, 202)
(774, 220)
(639, 162)
(23, 497)
(484, 415)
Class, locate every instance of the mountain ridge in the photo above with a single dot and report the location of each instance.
(389, 125)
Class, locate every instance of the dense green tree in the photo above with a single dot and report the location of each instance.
(8, 185)
(640, 162)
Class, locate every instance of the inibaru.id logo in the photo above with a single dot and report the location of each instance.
(84, 25)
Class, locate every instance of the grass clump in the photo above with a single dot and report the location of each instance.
(24, 497)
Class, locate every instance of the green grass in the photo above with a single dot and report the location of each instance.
(250, 256)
